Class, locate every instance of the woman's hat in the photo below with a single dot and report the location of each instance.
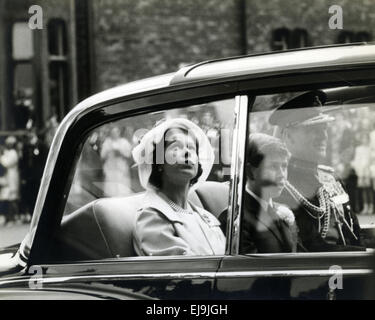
(143, 152)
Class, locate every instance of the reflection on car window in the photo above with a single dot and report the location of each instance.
(132, 204)
(320, 196)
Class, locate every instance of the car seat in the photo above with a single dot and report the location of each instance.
(104, 227)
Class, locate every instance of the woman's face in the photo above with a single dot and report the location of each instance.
(181, 159)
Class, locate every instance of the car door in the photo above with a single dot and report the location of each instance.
(90, 253)
(323, 274)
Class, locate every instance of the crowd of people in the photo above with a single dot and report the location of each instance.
(353, 156)
(107, 158)
(22, 160)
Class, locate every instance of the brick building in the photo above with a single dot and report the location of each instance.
(89, 45)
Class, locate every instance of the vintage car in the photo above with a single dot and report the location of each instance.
(79, 245)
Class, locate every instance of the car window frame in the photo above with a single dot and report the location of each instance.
(122, 115)
(187, 96)
(237, 223)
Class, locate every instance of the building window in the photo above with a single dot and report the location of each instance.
(22, 44)
(58, 68)
(23, 74)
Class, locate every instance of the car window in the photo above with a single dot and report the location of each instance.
(309, 172)
(107, 194)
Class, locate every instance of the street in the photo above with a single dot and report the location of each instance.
(12, 234)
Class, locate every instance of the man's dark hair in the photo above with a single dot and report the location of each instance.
(261, 145)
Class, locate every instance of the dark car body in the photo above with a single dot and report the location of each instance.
(34, 271)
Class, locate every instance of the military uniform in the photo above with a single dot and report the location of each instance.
(321, 207)
(318, 200)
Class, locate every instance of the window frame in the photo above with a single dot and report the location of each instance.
(15, 62)
(108, 117)
(59, 61)
(237, 225)
(163, 99)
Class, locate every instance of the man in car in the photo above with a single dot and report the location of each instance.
(266, 226)
(318, 200)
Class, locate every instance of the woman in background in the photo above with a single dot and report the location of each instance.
(10, 182)
(116, 154)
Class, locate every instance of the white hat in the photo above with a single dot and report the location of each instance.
(143, 152)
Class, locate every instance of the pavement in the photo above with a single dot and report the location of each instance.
(13, 234)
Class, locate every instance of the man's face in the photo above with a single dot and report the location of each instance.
(271, 175)
(308, 143)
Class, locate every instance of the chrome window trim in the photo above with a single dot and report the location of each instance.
(132, 276)
(174, 258)
(237, 179)
(290, 273)
(332, 254)
(186, 275)
(281, 255)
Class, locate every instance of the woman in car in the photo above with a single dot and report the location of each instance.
(172, 158)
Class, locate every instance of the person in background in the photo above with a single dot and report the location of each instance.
(116, 154)
(361, 164)
(3, 203)
(372, 167)
(50, 130)
(10, 182)
(31, 165)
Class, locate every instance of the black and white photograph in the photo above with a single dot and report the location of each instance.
(206, 150)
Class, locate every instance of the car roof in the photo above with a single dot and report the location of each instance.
(250, 66)
(279, 61)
